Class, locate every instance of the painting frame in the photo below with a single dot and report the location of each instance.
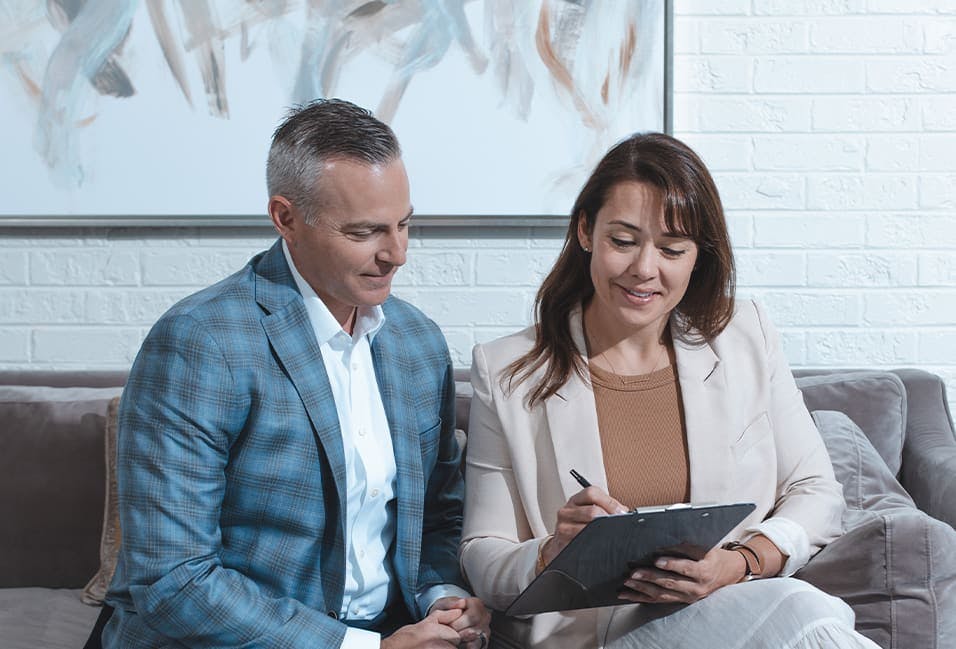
(252, 220)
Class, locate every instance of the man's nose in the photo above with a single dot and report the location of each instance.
(395, 248)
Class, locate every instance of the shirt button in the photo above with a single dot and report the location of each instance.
(361, 554)
(374, 493)
(361, 432)
(354, 367)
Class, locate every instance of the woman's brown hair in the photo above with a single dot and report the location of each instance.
(691, 206)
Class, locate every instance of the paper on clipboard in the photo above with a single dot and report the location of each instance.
(592, 568)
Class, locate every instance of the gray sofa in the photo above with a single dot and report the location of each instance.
(895, 564)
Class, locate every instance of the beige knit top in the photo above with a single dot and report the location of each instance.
(643, 440)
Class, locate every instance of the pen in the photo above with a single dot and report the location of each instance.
(581, 479)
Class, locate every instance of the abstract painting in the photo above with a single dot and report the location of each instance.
(166, 107)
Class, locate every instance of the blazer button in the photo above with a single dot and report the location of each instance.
(333, 615)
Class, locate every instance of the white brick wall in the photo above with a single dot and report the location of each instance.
(830, 126)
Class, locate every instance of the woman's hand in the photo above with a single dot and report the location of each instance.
(675, 580)
(581, 509)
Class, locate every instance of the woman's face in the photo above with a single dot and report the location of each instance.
(640, 271)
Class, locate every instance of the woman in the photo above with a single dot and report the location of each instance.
(644, 375)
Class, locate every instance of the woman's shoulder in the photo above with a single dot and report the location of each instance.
(502, 351)
(750, 325)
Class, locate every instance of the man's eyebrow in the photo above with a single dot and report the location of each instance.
(373, 225)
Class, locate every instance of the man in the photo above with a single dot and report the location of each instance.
(288, 472)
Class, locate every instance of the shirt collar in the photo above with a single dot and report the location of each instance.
(368, 319)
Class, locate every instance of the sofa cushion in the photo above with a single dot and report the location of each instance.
(51, 484)
(875, 401)
(894, 564)
(463, 392)
(110, 539)
(44, 617)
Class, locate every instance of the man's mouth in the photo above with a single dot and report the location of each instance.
(384, 275)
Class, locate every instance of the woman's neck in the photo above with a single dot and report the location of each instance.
(641, 351)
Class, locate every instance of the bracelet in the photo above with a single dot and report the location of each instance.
(751, 558)
(539, 565)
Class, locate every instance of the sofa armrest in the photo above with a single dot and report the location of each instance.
(897, 571)
(929, 475)
(928, 471)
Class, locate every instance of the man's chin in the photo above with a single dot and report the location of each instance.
(375, 295)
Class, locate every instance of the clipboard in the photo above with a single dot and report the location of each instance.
(592, 568)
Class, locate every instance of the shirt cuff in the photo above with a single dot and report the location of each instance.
(790, 538)
(361, 639)
(430, 595)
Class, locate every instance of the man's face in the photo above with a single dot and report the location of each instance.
(351, 253)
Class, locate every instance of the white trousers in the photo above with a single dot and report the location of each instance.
(778, 613)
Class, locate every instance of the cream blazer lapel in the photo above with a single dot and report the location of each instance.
(572, 419)
(707, 416)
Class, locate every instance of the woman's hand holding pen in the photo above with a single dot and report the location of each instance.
(674, 580)
(581, 509)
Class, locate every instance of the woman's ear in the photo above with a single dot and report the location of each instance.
(584, 237)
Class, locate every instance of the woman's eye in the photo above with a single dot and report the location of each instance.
(621, 243)
(673, 252)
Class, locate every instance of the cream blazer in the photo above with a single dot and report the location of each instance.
(750, 438)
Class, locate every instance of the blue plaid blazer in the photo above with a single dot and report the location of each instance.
(232, 478)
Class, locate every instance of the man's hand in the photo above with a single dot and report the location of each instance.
(674, 580)
(581, 509)
(434, 632)
(474, 622)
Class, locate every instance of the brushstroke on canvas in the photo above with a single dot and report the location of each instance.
(70, 58)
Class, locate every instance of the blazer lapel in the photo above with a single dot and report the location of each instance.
(702, 384)
(286, 324)
(394, 380)
(572, 420)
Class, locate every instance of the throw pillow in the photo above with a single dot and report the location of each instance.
(95, 590)
(51, 484)
(874, 400)
(894, 563)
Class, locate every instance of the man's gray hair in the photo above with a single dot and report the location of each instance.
(316, 133)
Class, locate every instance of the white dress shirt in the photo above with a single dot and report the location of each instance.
(369, 463)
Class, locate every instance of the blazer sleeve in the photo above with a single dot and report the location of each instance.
(809, 501)
(498, 552)
(441, 525)
(180, 414)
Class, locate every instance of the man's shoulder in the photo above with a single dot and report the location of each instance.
(219, 306)
(408, 317)
(225, 295)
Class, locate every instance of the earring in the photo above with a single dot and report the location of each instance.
(586, 249)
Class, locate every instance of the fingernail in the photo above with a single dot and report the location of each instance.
(661, 563)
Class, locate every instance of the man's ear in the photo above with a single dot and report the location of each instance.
(283, 217)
